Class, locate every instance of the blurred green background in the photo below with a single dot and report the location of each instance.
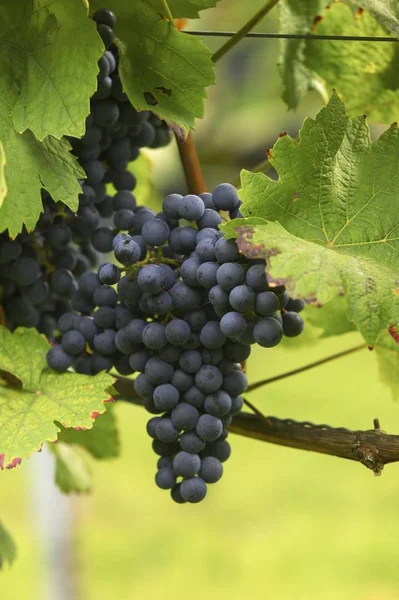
(282, 523)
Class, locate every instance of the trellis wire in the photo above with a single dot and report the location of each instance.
(295, 36)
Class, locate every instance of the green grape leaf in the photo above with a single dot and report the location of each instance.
(50, 50)
(30, 166)
(3, 185)
(188, 9)
(370, 67)
(102, 441)
(336, 219)
(72, 469)
(296, 16)
(385, 11)
(161, 68)
(331, 318)
(8, 550)
(23, 354)
(32, 397)
(388, 363)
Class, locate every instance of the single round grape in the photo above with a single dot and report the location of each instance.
(143, 386)
(211, 335)
(88, 283)
(256, 278)
(268, 332)
(151, 279)
(205, 250)
(73, 342)
(166, 431)
(209, 428)
(58, 359)
(235, 383)
(295, 305)
(212, 357)
(109, 274)
(155, 232)
(230, 275)
(124, 219)
(184, 298)
(190, 361)
(184, 416)
(106, 34)
(181, 380)
(127, 252)
(152, 426)
(233, 324)
(154, 336)
(206, 197)
(25, 271)
(105, 342)
(191, 207)
(164, 461)
(159, 304)
(177, 332)
(193, 490)
(266, 304)
(225, 196)
(163, 449)
(292, 324)
(176, 495)
(186, 464)
(220, 449)
(165, 397)
(100, 363)
(194, 396)
(170, 206)
(188, 271)
(67, 321)
(165, 478)
(191, 442)
(218, 404)
(207, 274)
(196, 319)
(209, 379)
(158, 371)
(211, 469)
(104, 317)
(237, 403)
(210, 219)
(105, 296)
(124, 198)
(236, 352)
(104, 16)
(102, 239)
(226, 250)
(242, 298)
(170, 353)
(139, 359)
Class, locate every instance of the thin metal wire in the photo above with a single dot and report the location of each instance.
(296, 36)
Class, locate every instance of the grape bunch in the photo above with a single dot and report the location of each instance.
(39, 269)
(180, 307)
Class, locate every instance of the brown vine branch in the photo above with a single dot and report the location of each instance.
(372, 448)
(191, 165)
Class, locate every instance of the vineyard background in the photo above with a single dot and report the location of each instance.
(284, 524)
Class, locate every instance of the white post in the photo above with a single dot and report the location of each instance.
(55, 522)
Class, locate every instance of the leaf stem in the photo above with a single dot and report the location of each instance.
(191, 165)
(168, 12)
(241, 33)
(322, 361)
